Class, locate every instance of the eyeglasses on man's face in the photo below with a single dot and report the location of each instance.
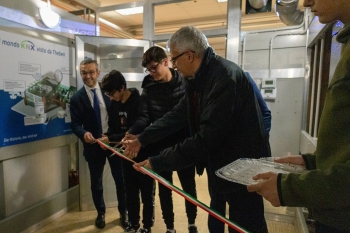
(153, 69)
(91, 73)
(109, 94)
(173, 60)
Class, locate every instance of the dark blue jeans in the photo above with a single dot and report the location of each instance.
(96, 166)
(245, 209)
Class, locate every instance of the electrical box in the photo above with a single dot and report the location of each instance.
(269, 94)
(268, 88)
(268, 83)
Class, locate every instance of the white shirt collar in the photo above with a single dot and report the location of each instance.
(97, 87)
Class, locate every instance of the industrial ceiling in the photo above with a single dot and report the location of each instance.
(204, 14)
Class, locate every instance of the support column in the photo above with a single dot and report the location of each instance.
(234, 12)
(148, 21)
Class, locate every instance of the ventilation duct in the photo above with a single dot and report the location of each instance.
(288, 13)
(257, 4)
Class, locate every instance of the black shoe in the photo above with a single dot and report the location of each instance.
(124, 220)
(100, 221)
(192, 229)
(131, 229)
(145, 230)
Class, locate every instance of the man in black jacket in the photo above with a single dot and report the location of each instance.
(225, 122)
(162, 90)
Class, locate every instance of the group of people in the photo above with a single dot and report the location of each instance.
(124, 113)
(203, 113)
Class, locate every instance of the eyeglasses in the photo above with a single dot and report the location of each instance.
(173, 60)
(91, 73)
(152, 68)
(109, 94)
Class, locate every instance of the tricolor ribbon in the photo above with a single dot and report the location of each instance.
(172, 187)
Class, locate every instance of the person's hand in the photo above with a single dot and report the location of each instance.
(105, 140)
(266, 187)
(145, 163)
(293, 159)
(88, 138)
(129, 136)
(131, 148)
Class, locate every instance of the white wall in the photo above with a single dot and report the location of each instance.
(287, 56)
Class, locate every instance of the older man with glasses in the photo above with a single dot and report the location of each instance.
(89, 111)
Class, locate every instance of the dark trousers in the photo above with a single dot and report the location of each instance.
(96, 166)
(136, 183)
(187, 180)
(321, 228)
(245, 209)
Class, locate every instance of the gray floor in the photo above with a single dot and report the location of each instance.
(76, 221)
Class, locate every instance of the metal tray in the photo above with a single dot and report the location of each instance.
(242, 170)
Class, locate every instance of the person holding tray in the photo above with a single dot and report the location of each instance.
(325, 188)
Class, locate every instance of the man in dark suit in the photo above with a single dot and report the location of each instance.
(89, 111)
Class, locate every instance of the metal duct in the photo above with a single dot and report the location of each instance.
(257, 4)
(288, 13)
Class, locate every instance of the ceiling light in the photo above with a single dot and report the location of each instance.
(222, 0)
(48, 17)
(131, 11)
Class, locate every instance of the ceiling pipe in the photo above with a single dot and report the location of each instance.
(257, 4)
(288, 12)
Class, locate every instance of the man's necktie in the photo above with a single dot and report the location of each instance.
(97, 111)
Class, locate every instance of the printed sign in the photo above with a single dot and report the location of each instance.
(35, 89)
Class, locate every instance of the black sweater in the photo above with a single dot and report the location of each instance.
(122, 116)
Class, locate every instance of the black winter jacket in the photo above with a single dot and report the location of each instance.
(229, 123)
(156, 100)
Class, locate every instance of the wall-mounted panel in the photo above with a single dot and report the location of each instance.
(286, 112)
(35, 88)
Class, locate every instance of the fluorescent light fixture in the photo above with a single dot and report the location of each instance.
(131, 11)
(222, 0)
(48, 17)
